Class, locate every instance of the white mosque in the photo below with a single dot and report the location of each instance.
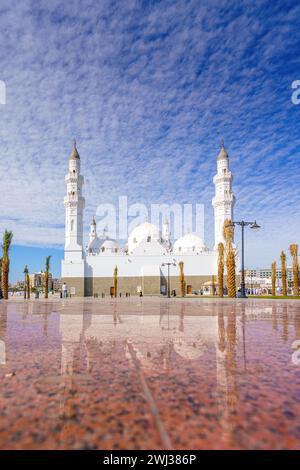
(143, 263)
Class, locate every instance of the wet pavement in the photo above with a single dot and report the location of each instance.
(150, 374)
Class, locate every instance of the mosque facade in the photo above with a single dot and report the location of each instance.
(149, 262)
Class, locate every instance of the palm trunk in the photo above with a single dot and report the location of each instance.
(116, 281)
(231, 283)
(28, 286)
(213, 284)
(46, 285)
(283, 274)
(294, 253)
(230, 258)
(221, 270)
(7, 238)
(181, 279)
(274, 279)
(4, 279)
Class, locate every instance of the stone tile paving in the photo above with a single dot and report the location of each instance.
(149, 373)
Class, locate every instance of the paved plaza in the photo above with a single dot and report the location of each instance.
(149, 373)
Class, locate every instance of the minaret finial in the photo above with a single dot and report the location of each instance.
(222, 154)
(74, 153)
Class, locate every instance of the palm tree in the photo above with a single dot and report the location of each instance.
(47, 276)
(7, 238)
(181, 279)
(213, 285)
(25, 280)
(294, 254)
(28, 285)
(283, 273)
(221, 270)
(274, 278)
(230, 258)
(115, 280)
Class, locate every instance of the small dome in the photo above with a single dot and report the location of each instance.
(110, 246)
(189, 243)
(143, 232)
(95, 245)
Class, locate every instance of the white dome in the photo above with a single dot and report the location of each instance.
(189, 243)
(95, 245)
(110, 246)
(144, 231)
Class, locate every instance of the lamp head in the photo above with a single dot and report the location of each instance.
(255, 225)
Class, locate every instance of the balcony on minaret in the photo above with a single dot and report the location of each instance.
(74, 178)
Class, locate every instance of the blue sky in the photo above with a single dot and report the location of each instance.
(148, 89)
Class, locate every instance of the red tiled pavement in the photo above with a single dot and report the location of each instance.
(149, 374)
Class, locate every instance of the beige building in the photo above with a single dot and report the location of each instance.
(37, 280)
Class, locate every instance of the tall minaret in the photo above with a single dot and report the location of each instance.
(74, 204)
(93, 230)
(224, 199)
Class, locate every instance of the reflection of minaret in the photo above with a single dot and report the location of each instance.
(71, 330)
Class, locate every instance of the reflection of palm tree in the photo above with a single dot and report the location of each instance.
(297, 325)
(181, 317)
(221, 331)
(274, 318)
(3, 328)
(285, 323)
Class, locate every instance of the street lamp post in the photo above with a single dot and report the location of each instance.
(243, 224)
(169, 264)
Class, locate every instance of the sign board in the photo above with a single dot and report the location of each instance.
(72, 290)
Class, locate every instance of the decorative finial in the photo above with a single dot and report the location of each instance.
(74, 153)
(222, 154)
